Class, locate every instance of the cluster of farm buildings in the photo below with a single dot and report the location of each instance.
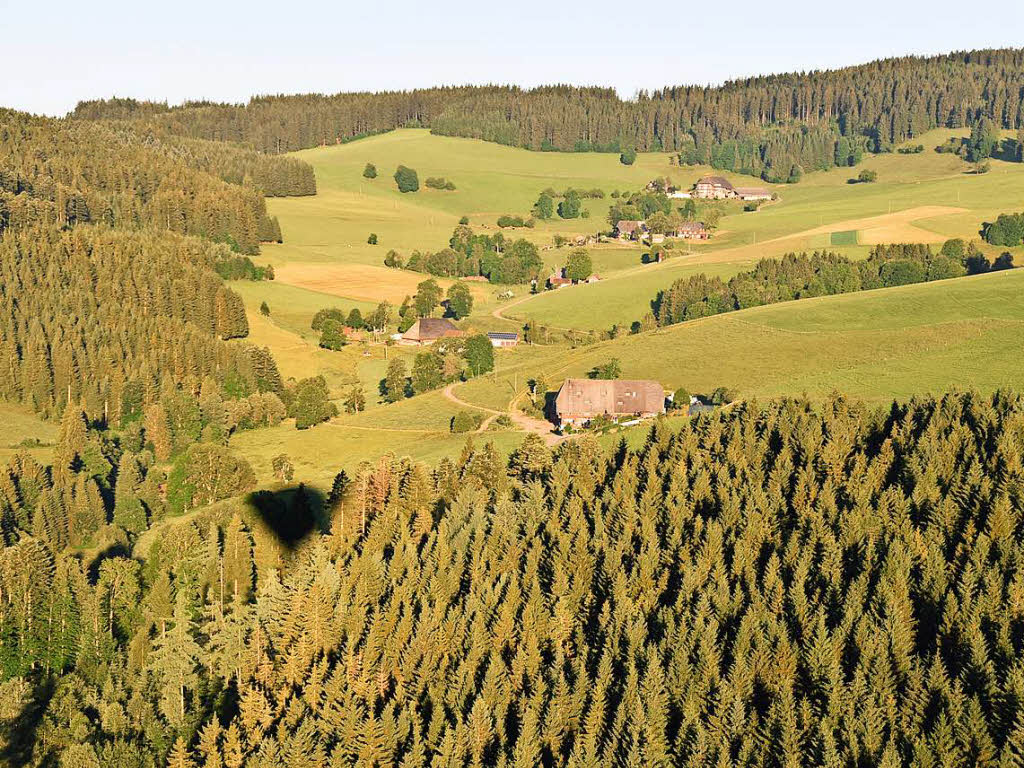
(706, 188)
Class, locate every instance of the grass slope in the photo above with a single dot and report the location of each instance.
(20, 427)
(875, 345)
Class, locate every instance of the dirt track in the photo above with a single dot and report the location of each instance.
(521, 420)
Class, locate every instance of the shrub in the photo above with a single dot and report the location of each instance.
(395, 384)
(1006, 230)
(609, 370)
(544, 208)
(332, 335)
(406, 179)
(681, 399)
(439, 182)
(372, 239)
(955, 248)
(283, 468)
(328, 313)
(355, 399)
(570, 207)
(723, 396)
(310, 403)
(460, 300)
(479, 354)
(464, 220)
(628, 156)
(370, 171)
(579, 265)
(264, 309)
(466, 421)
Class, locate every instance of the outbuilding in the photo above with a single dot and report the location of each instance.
(501, 339)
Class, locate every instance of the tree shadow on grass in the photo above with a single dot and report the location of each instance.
(290, 515)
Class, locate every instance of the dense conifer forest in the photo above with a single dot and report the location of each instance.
(779, 585)
(789, 583)
(775, 126)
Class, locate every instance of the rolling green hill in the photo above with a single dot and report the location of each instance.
(875, 345)
(925, 197)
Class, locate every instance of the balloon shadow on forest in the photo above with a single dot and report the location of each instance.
(290, 515)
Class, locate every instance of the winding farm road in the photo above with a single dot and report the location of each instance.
(521, 420)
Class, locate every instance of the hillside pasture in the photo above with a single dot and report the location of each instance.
(23, 431)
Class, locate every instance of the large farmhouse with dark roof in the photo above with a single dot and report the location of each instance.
(720, 188)
(714, 188)
(580, 400)
(427, 330)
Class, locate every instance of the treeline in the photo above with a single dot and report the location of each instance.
(778, 585)
(820, 274)
(272, 175)
(779, 154)
(775, 126)
(62, 173)
(471, 254)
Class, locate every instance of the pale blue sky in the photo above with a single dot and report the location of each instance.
(54, 52)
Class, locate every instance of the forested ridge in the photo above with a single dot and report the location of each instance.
(780, 585)
(63, 172)
(771, 126)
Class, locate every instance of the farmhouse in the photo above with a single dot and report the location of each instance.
(720, 188)
(692, 230)
(427, 330)
(501, 339)
(580, 400)
(628, 229)
(714, 188)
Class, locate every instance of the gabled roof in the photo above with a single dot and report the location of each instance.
(427, 328)
(614, 397)
(753, 191)
(629, 226)
(716, 181)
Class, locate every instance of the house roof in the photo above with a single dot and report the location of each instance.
(502, 335)
(628, 225)
(615, 397)
(427, 328)
(716, 181)
(753, 191)
(692, 226)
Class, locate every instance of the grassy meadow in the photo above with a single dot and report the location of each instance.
(21, 430)
(875, 345)
(926, 197)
